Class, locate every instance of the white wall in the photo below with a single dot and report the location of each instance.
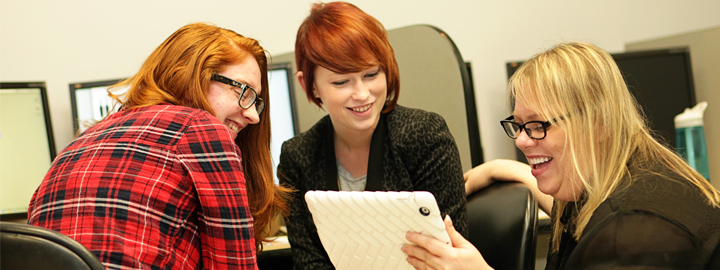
(63, 42)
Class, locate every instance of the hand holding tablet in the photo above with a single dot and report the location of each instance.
(365, 230)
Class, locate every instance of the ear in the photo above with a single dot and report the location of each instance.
(300, 78)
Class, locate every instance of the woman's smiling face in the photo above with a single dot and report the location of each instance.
(224, 98)
(551, 165)
(353, 100)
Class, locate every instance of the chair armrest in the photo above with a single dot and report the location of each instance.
(503, 224)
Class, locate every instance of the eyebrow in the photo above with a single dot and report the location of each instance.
(533, 117)
(257, 89)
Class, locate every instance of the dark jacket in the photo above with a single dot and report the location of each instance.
(660, 221)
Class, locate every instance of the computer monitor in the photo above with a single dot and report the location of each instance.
(283, 113)
(90, 102)
(660, 80)
(27, 144)
(662, 83)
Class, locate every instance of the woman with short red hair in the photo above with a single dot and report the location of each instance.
(366, 142)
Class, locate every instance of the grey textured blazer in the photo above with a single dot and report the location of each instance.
(411, 150)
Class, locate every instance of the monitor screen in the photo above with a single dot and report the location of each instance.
(660, 80)
(90, 103)
(662, 83)
(284, 122)
(27, 144)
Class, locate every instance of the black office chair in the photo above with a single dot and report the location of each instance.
(35, 248)
(503, 221)
(278, 259)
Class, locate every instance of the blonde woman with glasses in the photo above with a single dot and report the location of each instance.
(617, 197)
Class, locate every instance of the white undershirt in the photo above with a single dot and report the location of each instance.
(347, 181)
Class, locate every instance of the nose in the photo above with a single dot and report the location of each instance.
(523, 140)
(361, 91)
(251, 115)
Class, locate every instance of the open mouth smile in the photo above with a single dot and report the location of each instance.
(538, 162)
(361, 109)
(233, 126)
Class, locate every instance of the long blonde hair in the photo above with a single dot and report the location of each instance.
(603, 125)
(179, 71)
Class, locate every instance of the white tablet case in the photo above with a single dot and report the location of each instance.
(365, 230)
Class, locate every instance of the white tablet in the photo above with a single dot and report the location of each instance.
(365, 230)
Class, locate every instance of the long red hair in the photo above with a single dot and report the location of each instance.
(344, 39)
(179, 72)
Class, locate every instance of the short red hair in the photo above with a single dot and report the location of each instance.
(344, 39)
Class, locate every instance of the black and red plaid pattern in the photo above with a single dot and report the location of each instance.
(160, 187)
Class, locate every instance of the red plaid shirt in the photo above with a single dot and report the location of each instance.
(160, 187)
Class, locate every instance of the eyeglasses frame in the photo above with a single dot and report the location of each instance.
(545, 125)
(243, 87)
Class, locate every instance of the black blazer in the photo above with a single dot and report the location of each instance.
(417, 153)
(659, 221)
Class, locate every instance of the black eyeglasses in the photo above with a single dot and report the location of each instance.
(534, 129)
(247, 98)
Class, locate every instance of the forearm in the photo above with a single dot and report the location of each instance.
(521, 172)
(506, 170)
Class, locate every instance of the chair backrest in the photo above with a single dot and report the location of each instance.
(503, 221)
(30, 247)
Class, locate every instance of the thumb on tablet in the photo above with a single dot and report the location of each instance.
(466, 255)
(455, 237)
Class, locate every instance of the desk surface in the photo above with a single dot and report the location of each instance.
(280, 242)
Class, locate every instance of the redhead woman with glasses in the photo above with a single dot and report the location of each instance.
(180, 177)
